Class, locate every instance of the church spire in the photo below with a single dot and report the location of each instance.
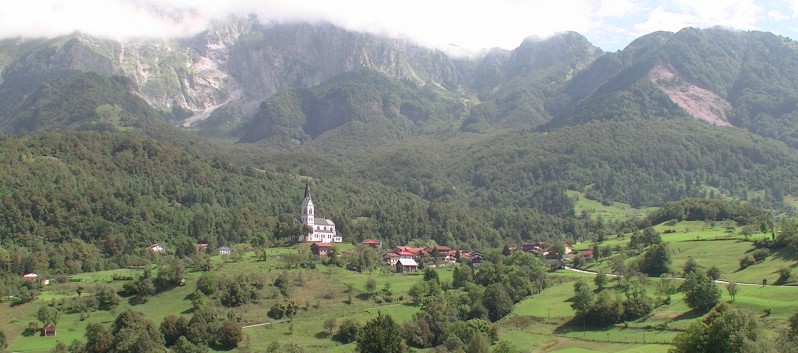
(307, 189)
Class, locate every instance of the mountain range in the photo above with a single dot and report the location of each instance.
(673, 114)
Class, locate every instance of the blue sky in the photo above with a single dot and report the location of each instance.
(455, 25)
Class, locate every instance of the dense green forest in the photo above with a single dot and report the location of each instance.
(664, 160)
(82, 201)
(393, 158)
(78, 201)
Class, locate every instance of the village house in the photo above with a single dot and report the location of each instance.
(476, 258)
(30, 276)
(376, 244)
(406, 266)
(415, 253)
(587, 255)
(553, 259)
(157, 248)
(318, 229)
(320, 249)
(390, 259)
(533, 247)
(225, 250)
(439, 251)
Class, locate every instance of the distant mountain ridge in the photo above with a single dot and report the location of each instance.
(226, 72)
(744, 79)
(227, 81)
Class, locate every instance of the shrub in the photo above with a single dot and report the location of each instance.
(760, 254)
(784, 274)
(713, 273)
(229, 334)
(347, 331)
(746, 261)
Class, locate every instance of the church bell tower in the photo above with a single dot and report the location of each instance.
(307, 208)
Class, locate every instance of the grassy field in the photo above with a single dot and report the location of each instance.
(617, 211)
(321, 294)
(541, 323)
(708, 245)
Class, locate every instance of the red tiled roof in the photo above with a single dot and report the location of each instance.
(371, 241)
(410, 249)
(391, 254)
(322, 245)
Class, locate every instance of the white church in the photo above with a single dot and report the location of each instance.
(319, 229)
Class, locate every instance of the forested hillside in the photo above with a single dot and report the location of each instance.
(400, 142)
(394, 108)
(663, 160)
(75, 101)
(82, 201)
(751, 75)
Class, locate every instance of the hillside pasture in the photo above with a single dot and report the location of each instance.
(617, 211)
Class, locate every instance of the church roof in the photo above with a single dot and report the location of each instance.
(307, 189)
(324, 222)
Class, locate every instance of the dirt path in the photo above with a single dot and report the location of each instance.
(720, 281)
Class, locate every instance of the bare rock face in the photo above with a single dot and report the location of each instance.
(699, 102)
(279, 56)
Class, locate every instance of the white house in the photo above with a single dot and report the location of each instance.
(157, 247)
(225, 250)
(319, 229)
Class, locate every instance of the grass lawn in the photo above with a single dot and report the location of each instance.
(543, 321)
(540, 323)
(708, 246)
(616, 212)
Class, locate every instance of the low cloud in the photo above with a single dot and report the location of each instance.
(470, 24)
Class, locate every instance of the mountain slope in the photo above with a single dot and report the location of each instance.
(643, 162)
(76, 102)
(392, 107)
(744, 79)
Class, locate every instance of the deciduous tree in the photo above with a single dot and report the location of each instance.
(379, 336)
(700, 292)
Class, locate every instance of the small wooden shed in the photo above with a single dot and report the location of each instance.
(48, 330)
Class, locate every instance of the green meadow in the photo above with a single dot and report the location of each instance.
(540, 323)
(617, 211)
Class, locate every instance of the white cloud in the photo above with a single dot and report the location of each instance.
(741, 14)
(738, 14)
(617, 8)
(777, 15)
(661, 19)
(470, 24)
(104, 18)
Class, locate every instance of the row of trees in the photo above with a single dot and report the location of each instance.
(132, 332)
(455, 315)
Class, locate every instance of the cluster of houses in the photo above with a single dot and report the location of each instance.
(406, 259)
(321, 233)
